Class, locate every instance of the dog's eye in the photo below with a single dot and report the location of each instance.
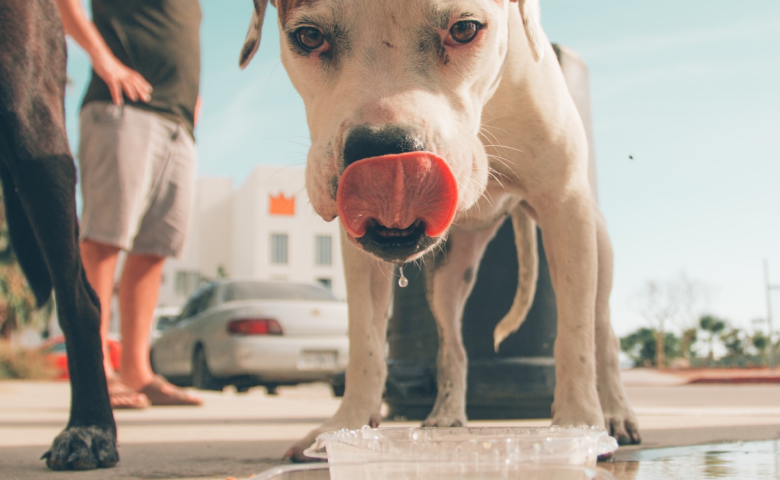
(464, 31)
(309, 38)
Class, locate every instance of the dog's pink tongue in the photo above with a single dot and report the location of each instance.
(397, 190)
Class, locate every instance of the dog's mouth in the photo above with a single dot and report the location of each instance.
(395, 244)
(397, 206)
(376, 228)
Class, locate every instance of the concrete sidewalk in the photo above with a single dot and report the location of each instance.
(237, 435)
(652, 376)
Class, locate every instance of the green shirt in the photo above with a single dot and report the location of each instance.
(159, 39)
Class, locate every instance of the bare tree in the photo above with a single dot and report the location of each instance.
(659, 305)
(694, 298)
(668, 304)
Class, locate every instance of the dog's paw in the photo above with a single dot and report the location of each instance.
(449, 410)
(296, 452)
(619, 418)
(577, 413)
(623, 426)
(83, 448)
(444, 421)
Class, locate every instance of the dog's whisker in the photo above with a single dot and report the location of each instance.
(506, 147)
(496, 174)
(486, 132)
(442, 250)
(498, 181)
(487, 122)
(503, 161)
(489, 198)
(494, 127)
(265, 90)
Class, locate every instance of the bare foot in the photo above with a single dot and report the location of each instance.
(123, 397)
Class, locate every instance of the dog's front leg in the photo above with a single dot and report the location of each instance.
(41, 212)
(450, 277)
(369, 288)
(618, 415)
(569, 235)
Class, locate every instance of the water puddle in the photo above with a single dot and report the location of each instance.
(738, 461)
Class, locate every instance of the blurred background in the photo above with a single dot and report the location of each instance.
(686, 114)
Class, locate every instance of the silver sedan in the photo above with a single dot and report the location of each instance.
(250, 332)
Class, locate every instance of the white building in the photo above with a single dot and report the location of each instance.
(266, 229)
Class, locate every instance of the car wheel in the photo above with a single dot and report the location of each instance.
(338, 383)
(271, 389)
(242, 388)
(201, 376)
(338, 390)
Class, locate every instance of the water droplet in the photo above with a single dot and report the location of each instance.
(402, 282)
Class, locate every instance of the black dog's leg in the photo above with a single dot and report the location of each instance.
(43, 224)
(39, 180)
(25, 246)
(89, 441)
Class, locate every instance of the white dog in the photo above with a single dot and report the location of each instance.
(430, 121)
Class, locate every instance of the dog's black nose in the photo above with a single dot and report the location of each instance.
(366, 142)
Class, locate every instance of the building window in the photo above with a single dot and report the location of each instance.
(326, 282)
(279, 248)
(322, 255)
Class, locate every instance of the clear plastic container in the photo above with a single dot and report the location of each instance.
(431, 471)
(427, 453)
(549, 445)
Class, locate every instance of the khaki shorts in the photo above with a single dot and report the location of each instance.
(137, 173)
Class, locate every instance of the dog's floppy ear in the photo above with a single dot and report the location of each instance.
(532, 20)
(252, 41)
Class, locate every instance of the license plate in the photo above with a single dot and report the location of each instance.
(317, 361)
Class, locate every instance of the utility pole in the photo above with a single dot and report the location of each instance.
(769, 288)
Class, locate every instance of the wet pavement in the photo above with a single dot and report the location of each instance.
(737, 461)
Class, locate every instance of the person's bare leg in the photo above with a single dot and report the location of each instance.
(99, 264)
(139, 288)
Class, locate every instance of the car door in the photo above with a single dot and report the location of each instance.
(164, 359)
(179, 352)
(191, 330)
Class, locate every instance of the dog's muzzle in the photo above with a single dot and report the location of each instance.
(396, 206)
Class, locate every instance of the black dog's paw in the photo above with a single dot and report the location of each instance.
(83, 448)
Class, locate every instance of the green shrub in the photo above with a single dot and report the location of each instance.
(641, 347)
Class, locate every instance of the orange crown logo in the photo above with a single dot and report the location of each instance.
(281, 205)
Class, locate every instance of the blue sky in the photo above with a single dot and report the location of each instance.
(689, 88)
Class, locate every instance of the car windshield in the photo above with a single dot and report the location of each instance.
(236, 291)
